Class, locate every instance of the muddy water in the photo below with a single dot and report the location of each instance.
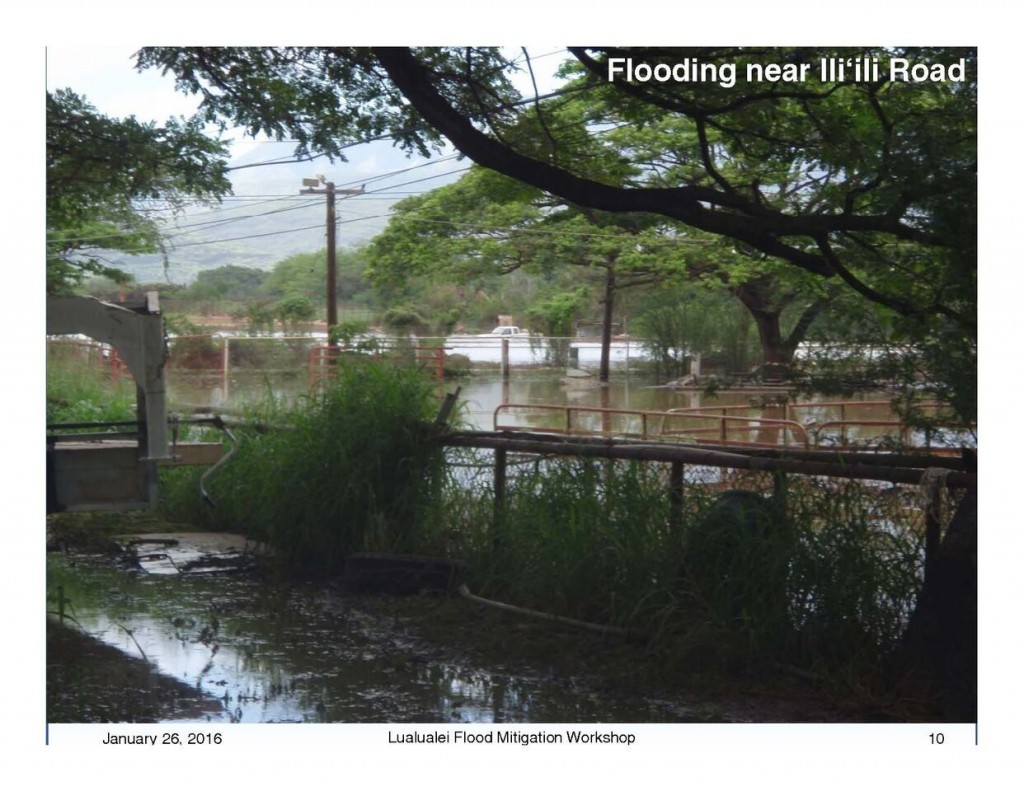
(481, 394)
(274, 652)
(825, 423)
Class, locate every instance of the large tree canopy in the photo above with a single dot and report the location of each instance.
(108, 181)
(868, 179)
(878, 162)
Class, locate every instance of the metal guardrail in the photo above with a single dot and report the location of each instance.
(705, 425)
(648, 424)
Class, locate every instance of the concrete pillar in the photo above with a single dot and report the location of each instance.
(138, 337)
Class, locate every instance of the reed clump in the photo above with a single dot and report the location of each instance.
(349, 469)
(818, 574)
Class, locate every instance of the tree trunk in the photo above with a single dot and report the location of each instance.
(938, 656)
(765, 304)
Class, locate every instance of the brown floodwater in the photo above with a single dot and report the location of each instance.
(547, 399)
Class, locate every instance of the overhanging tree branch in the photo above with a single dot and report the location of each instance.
(706, 209)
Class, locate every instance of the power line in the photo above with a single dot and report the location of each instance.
(249, 236)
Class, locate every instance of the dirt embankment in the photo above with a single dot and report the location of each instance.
(88, 681)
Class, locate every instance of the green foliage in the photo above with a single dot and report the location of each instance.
(556, 315)
(403, 318)
(286, 94)
(98, 168)
(682, 319)
(293, 311)
(465, 230)
(305, 274)
(258, 315)
(824, 576)
(79, 389)
(352, 472)
(583, 539)
(505, 227)
(231, 282)
(867, 183)
(345, 332)
(855, 573)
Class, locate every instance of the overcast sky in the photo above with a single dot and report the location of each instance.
(107, 78)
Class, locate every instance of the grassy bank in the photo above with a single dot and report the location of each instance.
(822, 576)
(350, 470)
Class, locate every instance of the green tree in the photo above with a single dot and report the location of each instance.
(231, 282)
(293, 312)
(100, 170)
(502, 226)
(305, 274)
(682, 319)
(881, 174)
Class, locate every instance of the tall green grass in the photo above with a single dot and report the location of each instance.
(352, 471)
(79, 389)
(825, 576)
(578, 538)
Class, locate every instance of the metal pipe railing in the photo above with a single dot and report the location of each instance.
(724, 425)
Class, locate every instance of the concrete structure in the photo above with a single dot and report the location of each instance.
(105, 474)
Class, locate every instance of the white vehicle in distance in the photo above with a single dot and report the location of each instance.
(507, 332)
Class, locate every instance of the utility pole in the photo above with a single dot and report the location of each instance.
(332, 255)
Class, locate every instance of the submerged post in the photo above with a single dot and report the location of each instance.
(500, 469)
(675, 500)
(225, 365)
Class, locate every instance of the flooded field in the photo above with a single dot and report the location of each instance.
(545, 400)
(217, 374)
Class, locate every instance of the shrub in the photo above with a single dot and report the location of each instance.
(352, 471)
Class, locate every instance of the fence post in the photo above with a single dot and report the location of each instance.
(675, 501)
(504, 358)
(932, 528)
(225, 363)
(500, 468)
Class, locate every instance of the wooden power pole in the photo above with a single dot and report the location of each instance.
(332, 254)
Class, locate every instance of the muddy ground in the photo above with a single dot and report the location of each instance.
(90, 682)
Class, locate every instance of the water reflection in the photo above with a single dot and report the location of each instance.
(276, 652)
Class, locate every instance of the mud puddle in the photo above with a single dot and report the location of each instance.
(251, 648)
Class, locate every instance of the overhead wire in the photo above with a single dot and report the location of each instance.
(388, 189)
